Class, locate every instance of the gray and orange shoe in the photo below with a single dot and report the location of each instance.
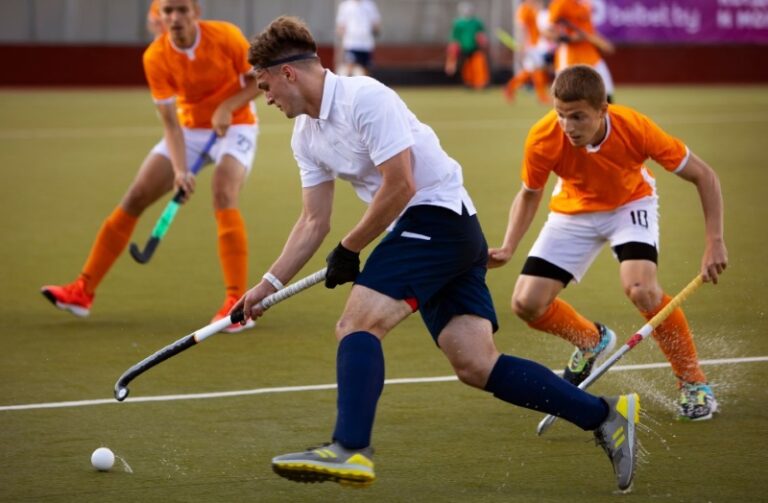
(328, 463)
(618, 438)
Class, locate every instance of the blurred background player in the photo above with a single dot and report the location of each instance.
(432, 260)
(357, 24)
(535, 49)
(605, 194)
(466, 51)
(154, 23)
(197, 73)
(578, 41)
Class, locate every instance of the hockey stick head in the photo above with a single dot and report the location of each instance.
(142, 257)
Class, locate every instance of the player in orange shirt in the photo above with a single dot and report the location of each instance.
(198, 77)
(605, 194)
(579, 42)
(154, 22)
(535, 47)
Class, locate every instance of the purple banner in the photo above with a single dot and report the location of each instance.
(682, 21)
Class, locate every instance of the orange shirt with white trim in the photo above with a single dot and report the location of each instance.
(577, 13)
(526, 16)
(600, 177)
(201, 77)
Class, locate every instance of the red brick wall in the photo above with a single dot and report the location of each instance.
(69, 65)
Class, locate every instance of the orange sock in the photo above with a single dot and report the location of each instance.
(110, 242)
(539, 78)
(515, 82)
(233, 250)
(561, 319)
(676, 342)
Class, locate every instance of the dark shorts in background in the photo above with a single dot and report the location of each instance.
(362, 58)
(440, 259)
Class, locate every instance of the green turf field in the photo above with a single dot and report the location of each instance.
(68, 156)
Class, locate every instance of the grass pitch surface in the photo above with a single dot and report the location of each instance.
(68, 157)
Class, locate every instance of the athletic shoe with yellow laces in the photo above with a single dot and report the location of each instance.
(224, 313)
(328, 463)
(697, 402)
(71, 297)
(617, 436)
(582, 362)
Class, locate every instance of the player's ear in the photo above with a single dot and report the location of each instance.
(288, 72)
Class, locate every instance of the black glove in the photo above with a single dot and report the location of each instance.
(343, 266)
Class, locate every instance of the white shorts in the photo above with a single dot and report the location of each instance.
(239, 142)
(572, 242)
(533, 59)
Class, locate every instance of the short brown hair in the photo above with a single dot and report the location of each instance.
(284, 37)
(580, 82)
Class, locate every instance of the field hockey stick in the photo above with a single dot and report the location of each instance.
(169, 213)
(633, 341)
(506, 39)
(121, 386)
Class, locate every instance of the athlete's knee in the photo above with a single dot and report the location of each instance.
(347, 325)
(472, 371)
(645, 297)
(137, 199)
(527, 307)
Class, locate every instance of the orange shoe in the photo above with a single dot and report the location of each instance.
(71, 297)
(224, 313)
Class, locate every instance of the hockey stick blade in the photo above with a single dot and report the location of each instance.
(121, 386)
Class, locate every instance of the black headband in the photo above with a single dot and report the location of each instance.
(287, 59)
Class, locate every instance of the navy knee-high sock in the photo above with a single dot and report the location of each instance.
(533, 386)
(360, 377)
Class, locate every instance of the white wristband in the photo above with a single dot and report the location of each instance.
(272, 280)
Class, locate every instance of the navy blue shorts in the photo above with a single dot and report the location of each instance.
(439, 259)
(362, 58)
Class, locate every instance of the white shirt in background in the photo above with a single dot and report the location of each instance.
(358, 18)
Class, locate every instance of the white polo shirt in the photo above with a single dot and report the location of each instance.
(363, 123)
(358, 18)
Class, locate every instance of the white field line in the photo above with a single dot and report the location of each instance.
(285, 128)
(323, 387)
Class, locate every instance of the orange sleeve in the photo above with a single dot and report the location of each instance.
(161, 84)
(541, 152)
(670, 152)
(238, 46)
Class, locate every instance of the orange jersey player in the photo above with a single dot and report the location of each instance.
(579, 42)
(606, 194)
(154, 23)
(534, 65)
(198, 74)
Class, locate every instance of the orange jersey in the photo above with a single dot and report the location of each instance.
(574, 15)
(602, 177)
(201, 77)
(526, 17)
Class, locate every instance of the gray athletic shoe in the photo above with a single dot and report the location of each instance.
(582, 362)
(618, 438)
(330, 462)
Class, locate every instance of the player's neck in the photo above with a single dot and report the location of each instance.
(600, 134)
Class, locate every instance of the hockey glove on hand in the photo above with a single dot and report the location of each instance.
(343, 266)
